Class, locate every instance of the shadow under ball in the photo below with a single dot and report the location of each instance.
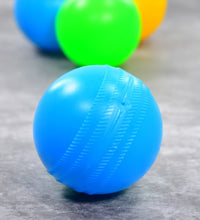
(98, 32)
(97, 129)
(36, 18)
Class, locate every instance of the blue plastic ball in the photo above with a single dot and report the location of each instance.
(36, 18)
(98, 129)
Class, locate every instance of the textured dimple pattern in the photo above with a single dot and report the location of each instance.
(116, 153)
(131, 125)
(104, 139)
(136, 101)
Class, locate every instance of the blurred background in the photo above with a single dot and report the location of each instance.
(168, 63)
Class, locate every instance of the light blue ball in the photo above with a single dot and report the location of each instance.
(36, 18)
(98, 129)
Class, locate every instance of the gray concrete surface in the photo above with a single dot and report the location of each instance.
(169, 63)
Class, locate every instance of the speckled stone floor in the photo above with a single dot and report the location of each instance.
(168, 63)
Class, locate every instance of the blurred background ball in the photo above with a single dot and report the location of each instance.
(98, 129)
(36, 18)
(98, 32)
(152, 12)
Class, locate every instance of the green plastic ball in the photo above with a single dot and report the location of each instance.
(98, 31)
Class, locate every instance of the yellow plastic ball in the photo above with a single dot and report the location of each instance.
(152, 13)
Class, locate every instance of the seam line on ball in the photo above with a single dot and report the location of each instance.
(103, 124)
(79, 135)
(142, 112)
(119, 93)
